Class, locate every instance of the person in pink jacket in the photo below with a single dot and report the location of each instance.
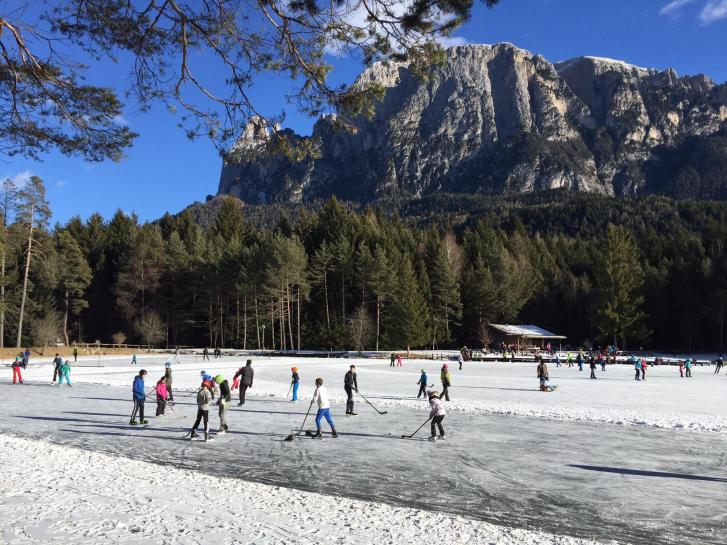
(162, 396)
(437, 415)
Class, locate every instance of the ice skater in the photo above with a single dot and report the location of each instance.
(75, 354)
(579, 361)
(17, 375)
(205, 354)
(350, 383)
(460, 360)
(168, 376)
(603, 361)
(399, 362)
(162, 396)
(422, 385)
(542, 372)
(637, 368)
(57, 362)
(437, 414)
(593, 368)
(643, 368)
(718, 363)
(133, 359)
(204, 398)
(64, 373)
(688, 367)
(294, 383)
(246, 375)
(446, 378)
(393, 360)
(225, 398)
(681, 368)
(138, 395)
(320, 396)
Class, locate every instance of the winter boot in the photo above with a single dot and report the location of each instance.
(317, 434)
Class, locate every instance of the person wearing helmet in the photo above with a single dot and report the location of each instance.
(446, 379)
(168, 377)
(225, 398)
(437, 415)
(208, 378)
(139, 397)
(204, 398)
(422, 385)
(295, 382)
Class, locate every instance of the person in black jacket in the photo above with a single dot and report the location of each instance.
(57, 362)
(246, 375)
(350, 384)
(225, 398)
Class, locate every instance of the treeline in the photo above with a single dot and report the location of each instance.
(644, 272)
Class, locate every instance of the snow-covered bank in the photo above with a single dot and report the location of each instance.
(664, 401)
(56, 494)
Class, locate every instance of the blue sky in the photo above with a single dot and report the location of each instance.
(164, 171)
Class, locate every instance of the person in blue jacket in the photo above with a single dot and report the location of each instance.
(422, 385)
(139, 397)
(688, 366)
(295, 383)
(637, 367)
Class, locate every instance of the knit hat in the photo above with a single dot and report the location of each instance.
(219, 379)
(445, 366)
(294, 369)
(168, 364)
(433, 393)
(206, 383)
(423, 371)
(203, 373)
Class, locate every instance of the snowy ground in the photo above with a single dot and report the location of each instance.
(560, 471)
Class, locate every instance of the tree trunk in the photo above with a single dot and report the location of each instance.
(65, 320)
(2, 301)
(244, 317)
(298, 310)
(25, 277)
(378, 320)
(272, 322)
(290, 318)
(257, 323)
(325, 290)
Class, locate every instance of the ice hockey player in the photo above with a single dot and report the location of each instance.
(225, 398)
(295, 382)
(542, 371)
(168, 376)
(437, 414)
(204, 398)
(64, 373)
(17, 375)
(162, 396)
(246, 375)
(446, 378)
(320, 396)
(350, 383)
(139, 397)
(422, 385)
(57, 362)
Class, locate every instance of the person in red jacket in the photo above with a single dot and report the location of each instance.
(17, 376)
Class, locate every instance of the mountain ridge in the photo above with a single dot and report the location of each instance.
(497, 119)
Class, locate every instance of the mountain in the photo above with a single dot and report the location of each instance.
(499, 120)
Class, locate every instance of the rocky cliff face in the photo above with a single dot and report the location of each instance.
(492, 120)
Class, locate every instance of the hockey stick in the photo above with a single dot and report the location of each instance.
(420, 427)
(289, 389)
(372, 405)
(292, 436)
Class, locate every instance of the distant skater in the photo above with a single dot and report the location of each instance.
(593, 368)
(17, 375)
(637, 368)
(57, 362)
(718, 363)
(246, 375)
(460, 360)
(446, 378)
(542, 372)
(643, 368)
(688, 367)
(393, 360)
(65, 373)
(681, 368)
(295, 383)
(133, 359)
(75, 354)
(422, 385)
(205, 354)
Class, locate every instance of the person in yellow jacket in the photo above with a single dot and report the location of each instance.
(446, 379)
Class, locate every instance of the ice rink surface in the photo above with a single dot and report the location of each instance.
(607, 459)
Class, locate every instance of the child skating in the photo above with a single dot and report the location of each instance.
(294, 383)
(437, 414)
(422, 385)
(162, 396)
(65, 373)
(204, 398)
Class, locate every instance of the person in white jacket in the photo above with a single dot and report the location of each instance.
(324, 408)
(437, 415)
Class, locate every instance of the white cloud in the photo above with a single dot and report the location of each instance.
(61, 183)
(673, 7)
(20, 179)
(121, 120)
(714, 10)
(449, 41)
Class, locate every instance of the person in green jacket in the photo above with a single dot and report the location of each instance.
(65, 373)
(446, 379)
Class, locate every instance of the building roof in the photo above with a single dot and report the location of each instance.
(526, 331)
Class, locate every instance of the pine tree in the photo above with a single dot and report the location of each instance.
(34, 211)
(74, 276)
(617, 282)
(406, 316)
(446, 304)
(7, 203)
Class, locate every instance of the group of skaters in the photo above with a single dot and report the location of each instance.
(61, 368)
(216, 390)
